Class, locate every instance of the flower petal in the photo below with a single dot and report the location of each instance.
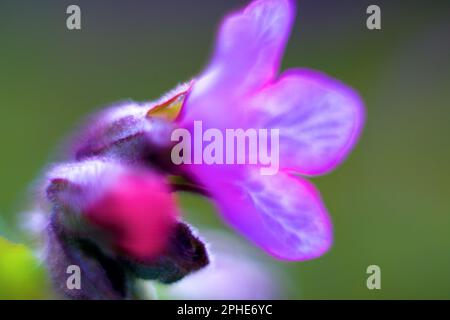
(319, 118)
(247, 56)
(283, 215)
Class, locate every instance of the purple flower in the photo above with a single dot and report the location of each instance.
(319, 121)
(111, 208)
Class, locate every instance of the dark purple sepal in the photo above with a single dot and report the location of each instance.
(101, 277)
(186, 253)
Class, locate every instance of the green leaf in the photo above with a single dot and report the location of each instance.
(22, 276)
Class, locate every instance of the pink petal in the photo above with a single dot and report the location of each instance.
(247, 56)
(283, 215)
(320, 119)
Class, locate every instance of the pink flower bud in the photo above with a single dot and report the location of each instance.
(131, 210)
(139, 212)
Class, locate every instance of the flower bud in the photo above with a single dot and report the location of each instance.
(130, 212)
(132, 132)
(139, 213)
(116, 223)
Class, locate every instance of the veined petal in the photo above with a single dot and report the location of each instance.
(247, 56)
(319, 118)
(283, 215)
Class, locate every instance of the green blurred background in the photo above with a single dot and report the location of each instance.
(389, 202)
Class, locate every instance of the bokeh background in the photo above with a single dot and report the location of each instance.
(390, 202)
